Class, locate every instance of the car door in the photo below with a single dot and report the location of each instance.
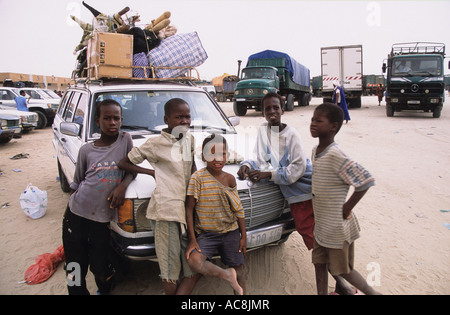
(73, 111)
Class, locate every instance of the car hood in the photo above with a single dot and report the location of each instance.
(44, 101)
(9, 116)
(240, 147)
(16, 112)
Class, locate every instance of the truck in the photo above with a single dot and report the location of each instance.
(225, 86)
(271, 71)
(371, 82)
(343, 64)
(415, 78)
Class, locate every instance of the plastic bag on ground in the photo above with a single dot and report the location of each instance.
(45, 266)
(33, 202)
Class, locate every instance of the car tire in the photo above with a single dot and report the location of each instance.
(63, 180)
(42, 119)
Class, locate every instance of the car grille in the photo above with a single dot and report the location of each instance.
(262, 203)
(13, 123)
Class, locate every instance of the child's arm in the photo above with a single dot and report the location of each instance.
(243, 240)
(351, 202)
(117, 196)
(190, 205)
(241, 220)
(129, 167)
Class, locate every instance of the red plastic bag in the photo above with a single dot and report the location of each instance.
(45, 266)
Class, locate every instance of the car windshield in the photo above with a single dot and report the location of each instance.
(417, 66)
(143, 111)
(50, 93)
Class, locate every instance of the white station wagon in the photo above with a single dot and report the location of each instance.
(267, 216)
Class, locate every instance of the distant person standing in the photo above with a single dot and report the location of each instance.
(380, 93)
(339, 100)
(21, 101)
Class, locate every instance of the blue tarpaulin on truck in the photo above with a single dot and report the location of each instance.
(299, 73)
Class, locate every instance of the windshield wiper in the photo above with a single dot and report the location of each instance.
(134, 127)
(224, 130)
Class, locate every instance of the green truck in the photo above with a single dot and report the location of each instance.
(271, 71)
(415, 78)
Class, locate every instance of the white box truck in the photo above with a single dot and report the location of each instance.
(345, 65)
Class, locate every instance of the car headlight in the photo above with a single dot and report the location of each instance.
(434, 100)
(132, 216)
(3, 122)
(265, 91)
(236, 92)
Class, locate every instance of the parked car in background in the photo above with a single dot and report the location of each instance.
(9, 127)
(51, 94)
(28, 120)
(44, 107)
(267, 215)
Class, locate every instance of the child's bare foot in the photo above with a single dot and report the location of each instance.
(232, 279)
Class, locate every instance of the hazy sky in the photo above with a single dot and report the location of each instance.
(38, 37)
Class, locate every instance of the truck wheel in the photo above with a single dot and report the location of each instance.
(307, 98)
(389, 111)
(437, 112)
(357, 103)
(240, 109)
(290, 103)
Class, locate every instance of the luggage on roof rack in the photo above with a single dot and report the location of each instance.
(110, 55)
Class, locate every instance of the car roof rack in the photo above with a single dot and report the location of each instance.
(418, 48)
(97, 79)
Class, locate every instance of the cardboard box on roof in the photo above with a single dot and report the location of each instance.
(110, 55)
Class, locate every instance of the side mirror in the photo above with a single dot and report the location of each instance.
(384, 67)
(235, 120)
(70, 129)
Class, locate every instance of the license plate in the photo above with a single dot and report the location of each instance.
(240, 99)
(264, 237)
(413, 102)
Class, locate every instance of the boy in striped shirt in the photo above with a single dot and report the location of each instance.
(336, 227)
(215, 218)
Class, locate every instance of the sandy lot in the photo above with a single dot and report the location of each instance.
(404, 246)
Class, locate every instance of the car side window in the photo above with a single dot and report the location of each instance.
(63, 104)
(34, 94)
(70, 110)
(6, 96)
(80, 110)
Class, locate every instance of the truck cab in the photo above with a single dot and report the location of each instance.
(256, 81)
(415, 78)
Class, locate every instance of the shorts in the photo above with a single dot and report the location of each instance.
(303, 215)
(225, 244)
(170, 247)
(341, 261)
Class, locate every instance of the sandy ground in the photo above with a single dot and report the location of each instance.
(404, 246)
